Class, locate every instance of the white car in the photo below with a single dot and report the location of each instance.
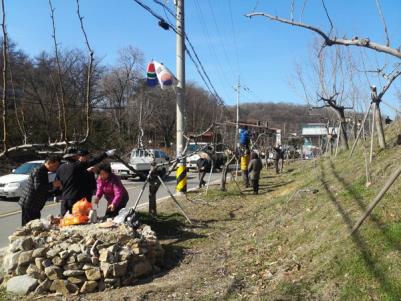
(193, 147)
(121, 170)
(12, 185)
(141, 160)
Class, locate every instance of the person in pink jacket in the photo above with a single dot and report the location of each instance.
(109, 185)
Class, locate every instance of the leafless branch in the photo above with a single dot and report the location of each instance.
(20, 123)
(4, 99)
(292, 9)
(390, 80)
(328, 41)
(380, 11)
(89, 76)
(59, 74)
(328, 17)
(200, 134)
(303, 10)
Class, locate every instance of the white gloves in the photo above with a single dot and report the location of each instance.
(111, 152)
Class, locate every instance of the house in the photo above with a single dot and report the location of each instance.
(315, 139)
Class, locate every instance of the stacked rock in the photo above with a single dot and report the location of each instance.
(79, 259)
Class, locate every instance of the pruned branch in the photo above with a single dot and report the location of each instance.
(328, 41)
(5, 89)
(390, 80)
(89, 76)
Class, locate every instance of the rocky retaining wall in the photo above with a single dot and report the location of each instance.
(79, 259)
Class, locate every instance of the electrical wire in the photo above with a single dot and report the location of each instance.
(234, 35)
(196, 61)
(222, 42)
(213, 52)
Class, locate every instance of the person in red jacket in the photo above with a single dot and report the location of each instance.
(109, 185)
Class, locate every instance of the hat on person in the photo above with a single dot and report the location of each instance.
(83, 152)
(71, 152)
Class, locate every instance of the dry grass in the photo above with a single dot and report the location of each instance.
(269, 248)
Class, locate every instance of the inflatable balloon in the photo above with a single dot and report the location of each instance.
(151, 75)
(165, 77)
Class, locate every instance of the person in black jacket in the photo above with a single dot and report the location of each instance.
(72, 176)
(278, 155)
(204, 166)
(36, 191)
(89, 185)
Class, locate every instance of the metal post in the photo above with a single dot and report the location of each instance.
(181, 169)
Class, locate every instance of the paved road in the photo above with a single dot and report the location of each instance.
(10, 215)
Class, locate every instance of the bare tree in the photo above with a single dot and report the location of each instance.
(4, 100)
(329, 39)
(61, 94)
(88, 89)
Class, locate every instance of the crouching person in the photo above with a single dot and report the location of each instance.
(254, 168)
(109, 185)
(37, 190)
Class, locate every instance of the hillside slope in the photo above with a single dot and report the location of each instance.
(274, 247)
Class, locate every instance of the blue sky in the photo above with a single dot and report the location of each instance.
(262, 53)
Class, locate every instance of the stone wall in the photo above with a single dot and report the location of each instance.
(79, 259)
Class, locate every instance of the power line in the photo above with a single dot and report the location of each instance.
(212, 49)
(234, 35)
(221, 37)
(198, 65)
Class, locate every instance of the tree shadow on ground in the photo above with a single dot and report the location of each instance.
(378, 273)
(171, 229)
(358, 197)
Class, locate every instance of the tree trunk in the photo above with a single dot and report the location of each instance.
(379, 126)
(224, 174)
(343, 132)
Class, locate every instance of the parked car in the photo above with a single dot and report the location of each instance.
(12, 185)
(193, 147)
(216, 154)
(141, 160)
(121, 170)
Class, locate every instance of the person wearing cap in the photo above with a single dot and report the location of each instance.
(36, 191)
(89, 185)
(278, 155)
(204, 166)
(73, 174)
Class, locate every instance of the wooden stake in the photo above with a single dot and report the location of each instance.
(377, 199)
(368, 183)
(360, 130)
(372, 134)
(338, 139)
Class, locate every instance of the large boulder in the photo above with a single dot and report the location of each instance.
(21, 285)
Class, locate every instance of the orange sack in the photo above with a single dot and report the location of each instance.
(82, 207)
(80, 214)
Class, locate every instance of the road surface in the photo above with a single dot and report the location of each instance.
(10, 214)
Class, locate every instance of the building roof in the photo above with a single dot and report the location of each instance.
(314, 129)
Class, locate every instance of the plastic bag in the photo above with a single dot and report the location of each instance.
(74, 220)
(80, 214)
(120, 218)
(82, 207)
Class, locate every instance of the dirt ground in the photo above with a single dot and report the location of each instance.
(290, 242)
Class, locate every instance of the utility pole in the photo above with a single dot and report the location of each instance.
(238, 90)
(180, 24)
